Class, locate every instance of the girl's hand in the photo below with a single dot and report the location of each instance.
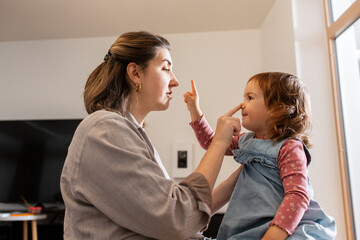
(227, 127)
(275, 233)
(192, 101)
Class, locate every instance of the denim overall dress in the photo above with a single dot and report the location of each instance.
(259, 192)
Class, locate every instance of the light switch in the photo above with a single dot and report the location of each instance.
(182, 165)
(182, 159)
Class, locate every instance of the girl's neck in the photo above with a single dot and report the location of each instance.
(262, 136)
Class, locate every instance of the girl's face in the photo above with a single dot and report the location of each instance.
(253, 110)
(158, 81)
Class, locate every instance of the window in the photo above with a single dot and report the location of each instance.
(343, 33)
(338, 7)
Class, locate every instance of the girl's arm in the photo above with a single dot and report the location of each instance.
(293, 172)
(192, 101)
(203, 131)
(222, 193)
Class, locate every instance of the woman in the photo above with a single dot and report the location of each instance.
(113, 182)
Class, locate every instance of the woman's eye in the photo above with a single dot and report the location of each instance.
(250, 98)
(166, 69)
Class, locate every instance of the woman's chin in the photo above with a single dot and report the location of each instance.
(163, 107)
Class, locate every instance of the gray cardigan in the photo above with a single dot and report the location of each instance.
(113, 187)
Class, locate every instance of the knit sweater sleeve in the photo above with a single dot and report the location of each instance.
(204, 134)
(293, 172)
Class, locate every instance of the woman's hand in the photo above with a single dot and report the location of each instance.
(227, 126)
(192, 101)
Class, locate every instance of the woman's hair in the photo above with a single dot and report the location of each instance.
(288, 102)
(108, 86)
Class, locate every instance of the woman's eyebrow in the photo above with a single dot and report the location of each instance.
(167, 60)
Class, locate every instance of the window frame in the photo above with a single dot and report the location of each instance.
(333, 30)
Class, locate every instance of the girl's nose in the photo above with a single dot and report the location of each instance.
(242, 105)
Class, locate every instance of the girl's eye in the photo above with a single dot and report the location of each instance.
(166, 69)
(250, 98)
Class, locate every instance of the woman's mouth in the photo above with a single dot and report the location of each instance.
(169, 95)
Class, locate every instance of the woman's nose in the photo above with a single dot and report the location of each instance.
(174, 82)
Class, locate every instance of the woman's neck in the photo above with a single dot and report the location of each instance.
(138, 115)
(137, 109)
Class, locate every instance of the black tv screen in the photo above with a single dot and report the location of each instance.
(32, 154)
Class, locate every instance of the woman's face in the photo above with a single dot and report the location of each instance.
(254, 111)
(157, 82)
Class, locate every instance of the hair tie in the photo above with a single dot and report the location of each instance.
(107, 56)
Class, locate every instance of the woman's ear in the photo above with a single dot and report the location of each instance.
(133, 72)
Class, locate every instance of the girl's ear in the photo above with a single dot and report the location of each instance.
(133, 72)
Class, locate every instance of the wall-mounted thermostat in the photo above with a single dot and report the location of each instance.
(182, 164)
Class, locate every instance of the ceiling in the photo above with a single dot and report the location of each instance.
(55, 19)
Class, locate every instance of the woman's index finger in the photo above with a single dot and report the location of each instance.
(233, 111)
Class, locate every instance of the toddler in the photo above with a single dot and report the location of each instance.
(272, 198)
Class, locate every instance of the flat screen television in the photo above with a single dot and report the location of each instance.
(32, 154)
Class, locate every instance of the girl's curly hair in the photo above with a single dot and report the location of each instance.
(288, 102)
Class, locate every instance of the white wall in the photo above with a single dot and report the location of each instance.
(45, 79)
(313, 68)
(277, 39)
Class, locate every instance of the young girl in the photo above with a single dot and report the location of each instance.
(272, 198)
